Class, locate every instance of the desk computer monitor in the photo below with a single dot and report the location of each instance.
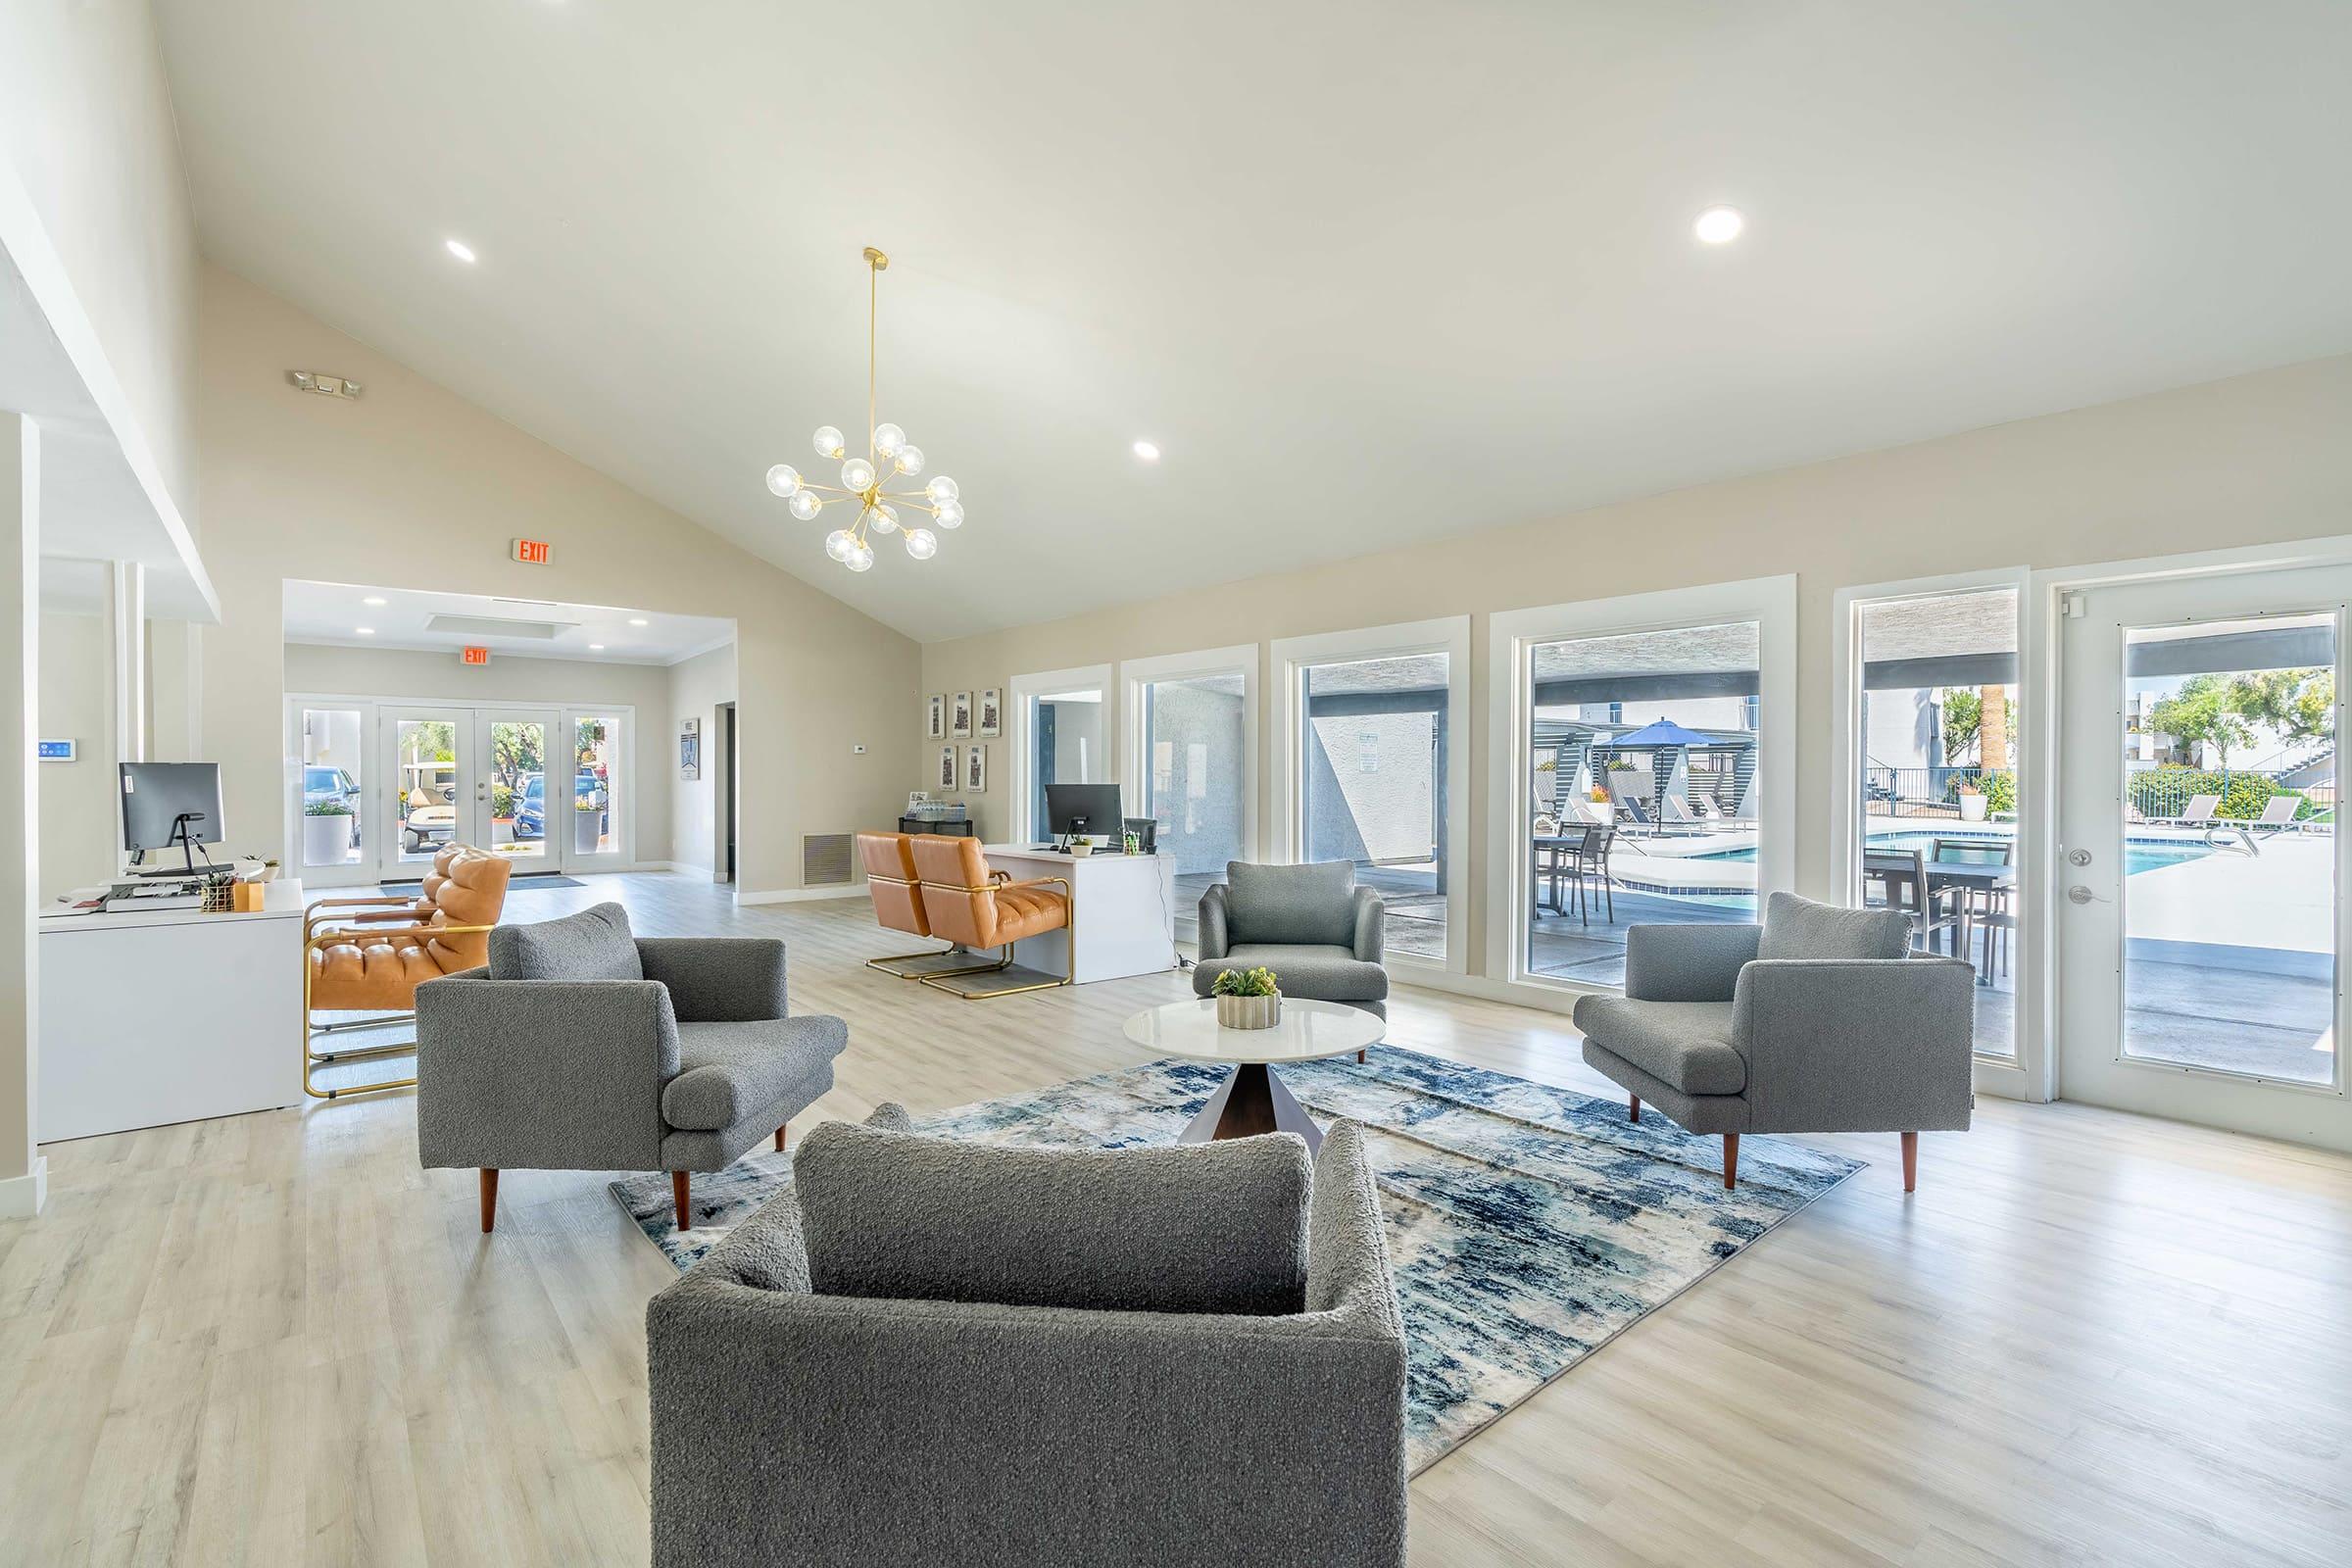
(166, 804)
(1092, 809)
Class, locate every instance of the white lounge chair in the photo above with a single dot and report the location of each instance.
(2279, 816)
(2201, 809)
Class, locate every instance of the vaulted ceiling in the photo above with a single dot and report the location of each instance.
(1368, 273)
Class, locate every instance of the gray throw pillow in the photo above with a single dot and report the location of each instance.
(1291, 906)
(593, 945)
(1196, 1228)
(1800, 928)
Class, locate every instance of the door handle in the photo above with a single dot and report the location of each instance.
(2079, 894)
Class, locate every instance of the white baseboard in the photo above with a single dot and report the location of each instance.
(22, 1196)
(852, 890)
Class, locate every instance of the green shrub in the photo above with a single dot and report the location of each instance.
(2167, 791)
(1999, 789)
(334, 807)
(501, 800)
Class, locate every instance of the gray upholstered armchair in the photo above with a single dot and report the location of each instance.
(1310, 924)
(930, 1353)
(1815, 1022)
(582, 1048)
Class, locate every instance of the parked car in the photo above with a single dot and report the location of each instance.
(331, 784)
(530, 807)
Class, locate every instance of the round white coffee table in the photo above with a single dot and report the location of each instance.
(1253, 1099)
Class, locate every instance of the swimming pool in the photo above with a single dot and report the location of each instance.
(2140, 854)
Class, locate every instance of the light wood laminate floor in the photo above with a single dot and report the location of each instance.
(2089, 1338)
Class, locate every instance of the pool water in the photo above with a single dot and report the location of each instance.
(2139, 856)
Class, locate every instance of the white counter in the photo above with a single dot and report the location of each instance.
(1125, 911)
(165, 1015)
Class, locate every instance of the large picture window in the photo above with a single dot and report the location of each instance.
(1375, 771)
(1191, 762)
(1641, 753)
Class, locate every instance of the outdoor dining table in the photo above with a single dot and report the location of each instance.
(1971, 877)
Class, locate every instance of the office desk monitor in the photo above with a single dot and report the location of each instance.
(168, 803)
(1092, 809)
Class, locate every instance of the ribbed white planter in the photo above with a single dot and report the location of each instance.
(586, 828)
(325, 840)
(1250, 1012)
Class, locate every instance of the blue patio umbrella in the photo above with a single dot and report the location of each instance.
(1665, 732)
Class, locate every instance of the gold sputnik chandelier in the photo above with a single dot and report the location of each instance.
(889, 456)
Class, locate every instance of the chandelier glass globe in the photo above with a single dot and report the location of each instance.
(888, 457)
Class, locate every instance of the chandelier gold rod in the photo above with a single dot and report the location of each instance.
(874, 298)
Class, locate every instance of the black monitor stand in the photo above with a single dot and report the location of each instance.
(188, 847)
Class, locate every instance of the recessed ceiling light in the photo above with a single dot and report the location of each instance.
(1147, 451)
(596, 647)
(365, 631)
(378, 600)
(459, 249)
(1718, 225)
(639, 621)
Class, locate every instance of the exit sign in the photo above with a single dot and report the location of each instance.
(474, 655)
(534, 552)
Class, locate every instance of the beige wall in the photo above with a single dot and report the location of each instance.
(79, 841)
(405, 674)
(2256, 457)
(86, 126)
(696, 686)
(413, 487)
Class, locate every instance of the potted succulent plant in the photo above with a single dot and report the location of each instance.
(1247, 999)
(326, 832)
(587, 824)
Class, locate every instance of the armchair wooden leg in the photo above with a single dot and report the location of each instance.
(489, 1200)
(1910, 1163)
(1731, 1160)
(1359, 1056)
(1634, 1114)
(680, 1201)
(780, 1132)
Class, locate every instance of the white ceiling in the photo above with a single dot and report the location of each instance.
(1368, 272)
(333, 613)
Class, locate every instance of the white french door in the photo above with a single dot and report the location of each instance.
(383, 787)
(2201, 921)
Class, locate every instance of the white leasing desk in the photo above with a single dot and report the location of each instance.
(1126, 911)
(169, 1015)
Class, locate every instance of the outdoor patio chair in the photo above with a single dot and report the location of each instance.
(1988, 908)
(1674, 816)
(2278, 815)
(2199, 813)
(1589, 861)
(1903, 875)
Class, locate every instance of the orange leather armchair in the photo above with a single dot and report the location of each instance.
(966, 902)
(371, 954)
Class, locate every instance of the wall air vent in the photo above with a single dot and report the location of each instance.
(318, 381)
(824, 860)
(496, 627)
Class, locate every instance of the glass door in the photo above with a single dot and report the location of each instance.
(335, 838)
(428, 785)
(518, 804)
(2203, 925)
(593, 831)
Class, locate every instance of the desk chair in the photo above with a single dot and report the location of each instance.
(966, 902)
(894, 885)
(371, 954)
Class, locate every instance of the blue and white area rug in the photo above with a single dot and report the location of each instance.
(1528, 1225)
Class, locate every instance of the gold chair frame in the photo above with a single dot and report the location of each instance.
(997, 881)
(884, 962)
(322, 931)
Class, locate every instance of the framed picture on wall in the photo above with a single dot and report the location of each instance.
(992, 714)
(947, 776)
(935, 719)
(975, 770)
(690, 748)
(960, 716)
